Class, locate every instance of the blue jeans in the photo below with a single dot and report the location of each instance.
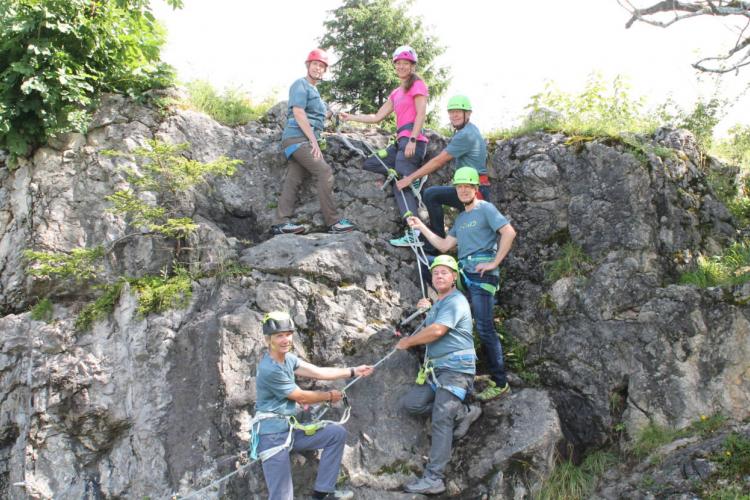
(404, 166)
(435, 197)
(482, 304)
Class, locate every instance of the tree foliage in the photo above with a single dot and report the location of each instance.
(364, 34)
(56, 56)
(667, 12)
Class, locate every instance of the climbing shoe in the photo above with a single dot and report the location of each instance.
(472, 414)
(408, 240)
(287, 228)
(344, 494)
(425, 486)
(493, 391)
(417, 185)
(342, 226)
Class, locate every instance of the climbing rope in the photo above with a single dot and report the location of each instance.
(344, 419)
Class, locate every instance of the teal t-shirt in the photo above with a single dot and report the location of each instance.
(273, 383)
(302, 94)
(468, 149)
(476, 235)
(454, 312)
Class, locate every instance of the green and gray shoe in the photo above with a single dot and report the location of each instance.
(493, 391)
(408, 240)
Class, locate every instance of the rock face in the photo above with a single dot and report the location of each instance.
(152, 406)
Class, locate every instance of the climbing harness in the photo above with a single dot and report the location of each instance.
(427, 374)
(308, 429)
(477, 259)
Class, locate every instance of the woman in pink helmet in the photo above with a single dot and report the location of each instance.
(409, 102)
(305, 121)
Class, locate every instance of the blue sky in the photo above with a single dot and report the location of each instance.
(500, 52)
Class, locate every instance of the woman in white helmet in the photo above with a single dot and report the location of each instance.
(409, 102)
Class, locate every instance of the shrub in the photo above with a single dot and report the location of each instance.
(230, 108)
(573, 261)
(732, 267)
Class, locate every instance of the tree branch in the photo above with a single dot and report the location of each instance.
(685, 10)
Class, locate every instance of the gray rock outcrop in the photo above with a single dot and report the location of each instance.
(152, 406)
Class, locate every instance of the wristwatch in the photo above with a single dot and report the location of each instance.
(412, 139)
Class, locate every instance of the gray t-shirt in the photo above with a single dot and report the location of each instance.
(476, 235)
(273, 384)
(454, 312)
(468, 149)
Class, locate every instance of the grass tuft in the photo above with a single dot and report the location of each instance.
(231, 108)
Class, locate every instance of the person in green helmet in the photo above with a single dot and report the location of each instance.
(276, 403)
(447, 376)
(467, 147)
(484, 237)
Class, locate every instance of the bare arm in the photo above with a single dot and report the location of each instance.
(309, 370)
(304, 124)
(442, 244)
(505, 237)
(426, 335)
(431, 166)
(385, 110)
(304, 397)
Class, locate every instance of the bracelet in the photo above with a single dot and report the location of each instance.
(351, 373)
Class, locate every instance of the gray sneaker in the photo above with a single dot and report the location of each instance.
(425, 486)
(343, 494)
(472, 414)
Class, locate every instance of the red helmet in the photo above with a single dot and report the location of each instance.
(317, 55)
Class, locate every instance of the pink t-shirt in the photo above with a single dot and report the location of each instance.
(403, 106)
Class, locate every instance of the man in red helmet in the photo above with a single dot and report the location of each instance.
(305, 121)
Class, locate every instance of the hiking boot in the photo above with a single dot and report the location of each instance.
(425, 486)
(473, 413)
(343, 494)
(493, 391)
(287, 228)
(408, 240)
(342, 226)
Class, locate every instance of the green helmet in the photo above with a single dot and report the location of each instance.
(445, 260)
(466, 175)
(277, 321)
(459, 102)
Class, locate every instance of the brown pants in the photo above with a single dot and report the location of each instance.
(301, 164)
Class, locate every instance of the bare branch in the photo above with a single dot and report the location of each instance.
(733, 59)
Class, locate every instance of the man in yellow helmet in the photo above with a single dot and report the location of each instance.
(484, 237)
(447, 375)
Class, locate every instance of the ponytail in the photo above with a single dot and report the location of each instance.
(410, 82)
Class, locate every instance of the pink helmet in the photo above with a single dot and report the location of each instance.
(317, 55)
(405, 52)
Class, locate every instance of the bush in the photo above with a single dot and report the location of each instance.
(59, 55)
(230, 108)
(732, 267)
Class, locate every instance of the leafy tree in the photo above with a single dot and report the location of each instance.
(56, 56)
(364, 34)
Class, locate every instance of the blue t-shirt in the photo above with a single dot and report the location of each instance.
(454, 312)
(476, 235)
(273, 384)
(469, 149)
(302, 94)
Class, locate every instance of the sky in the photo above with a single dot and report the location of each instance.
(500, 53)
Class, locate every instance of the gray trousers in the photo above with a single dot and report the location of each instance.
(300, 165)
(446, 410)
(277, 470)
